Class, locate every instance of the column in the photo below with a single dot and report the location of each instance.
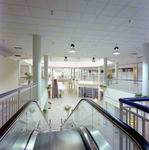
(99, 70)
(30, 69)
(46, 82)
(135, 73)
(105, 72)
(104, 80)
(145, 71)
(51, 82)
(19, 71)
(77, 82)
(37, 65)
(71, 81)
(116, 72)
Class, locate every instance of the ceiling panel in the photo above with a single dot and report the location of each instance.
(20, 10)
(94, 26)
(16, 2)
(94, 7)
(78, 5)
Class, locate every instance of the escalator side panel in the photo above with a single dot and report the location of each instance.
(64, 140)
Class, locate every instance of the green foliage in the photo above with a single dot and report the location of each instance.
(44, 111)
(109, 76)
(67, 108)
(29, 77)
(61, 92)
(103, 87)
(48, 87)
(138, 94)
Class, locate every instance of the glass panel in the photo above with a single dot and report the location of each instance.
(20, 130)
(87, 115)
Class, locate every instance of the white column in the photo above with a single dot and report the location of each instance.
(71, 73)
(51, 82)
(46, 82)
(145, 77)
(105, 72)
(99, 70)
(37, 65)
(74, 74)
(19, 71)
(30, 69)
(116, 72)
(77, 82)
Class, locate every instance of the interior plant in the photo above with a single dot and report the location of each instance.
(67, 109)
(109, 77)
(103, 87)
(93, 75)
(28, 77)
(138, 94)
(62, 76)
(84, 77)
(61, 92)
(48, 87)
(44, 111)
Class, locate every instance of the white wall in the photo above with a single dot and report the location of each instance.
(111, 97)
(9, 74)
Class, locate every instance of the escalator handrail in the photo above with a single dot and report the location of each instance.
(9, 123)
(30, 137)
(140, 141)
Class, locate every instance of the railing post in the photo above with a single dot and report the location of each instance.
(18, 99)
(2, 114)
(121, 111)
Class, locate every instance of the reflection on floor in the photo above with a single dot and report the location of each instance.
(56, 113)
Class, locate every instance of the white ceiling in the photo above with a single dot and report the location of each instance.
(94, 26)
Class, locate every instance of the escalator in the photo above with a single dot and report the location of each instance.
(89, 127)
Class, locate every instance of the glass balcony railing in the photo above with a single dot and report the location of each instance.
(114, 133)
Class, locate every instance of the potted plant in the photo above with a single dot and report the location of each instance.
(109, 77)
(93, 75)
(103, 87)
(61, 92)
(138, 94)
(44, 111)
(67, 109)
(84, 77)
(28, 77)
(48, 88)
(62, 76)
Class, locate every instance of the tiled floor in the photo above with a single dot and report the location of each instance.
(56, 113)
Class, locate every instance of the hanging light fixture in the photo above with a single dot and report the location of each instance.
(116, 51)
(65, 58)
(93, 59)
(72, 48)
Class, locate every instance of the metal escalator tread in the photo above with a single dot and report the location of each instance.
(61, 140)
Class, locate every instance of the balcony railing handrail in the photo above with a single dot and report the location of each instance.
(130, 101)
(16, 90)
(124, 79)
